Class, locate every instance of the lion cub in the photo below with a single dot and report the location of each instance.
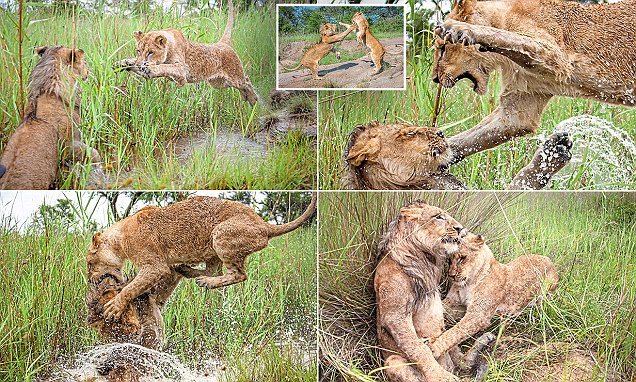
(201, 229)
(167, 53)
(364, 36)
(488, 288)
(31, 158)
(328, 36)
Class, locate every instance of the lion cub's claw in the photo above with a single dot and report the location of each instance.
(113, 309)
(203, 283)
(455, 33)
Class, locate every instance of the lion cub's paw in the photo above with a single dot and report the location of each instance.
(556, 149)
(456, 32)
(126, 64)
(114, 308)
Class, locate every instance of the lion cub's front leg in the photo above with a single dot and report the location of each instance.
(526, 51)
(148, 276)
(470, 324)
(551, 157)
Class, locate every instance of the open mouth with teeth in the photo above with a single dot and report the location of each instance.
(471, 78)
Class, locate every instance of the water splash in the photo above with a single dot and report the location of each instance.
(150, 365)
(603, 155)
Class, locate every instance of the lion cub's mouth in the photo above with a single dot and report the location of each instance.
(471, 78)
(450, 240)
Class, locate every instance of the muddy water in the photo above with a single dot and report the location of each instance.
(153, 365)
(228, 145)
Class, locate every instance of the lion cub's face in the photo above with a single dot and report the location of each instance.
(152, 47)
(454, 62)
(359, 18)
(469, 261)
(436, 228)
(72, 61)
(328, 29)
(400, 148)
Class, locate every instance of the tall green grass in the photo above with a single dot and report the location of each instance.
(132, 121)
(589, 236)
(461, 109)
(42, 311)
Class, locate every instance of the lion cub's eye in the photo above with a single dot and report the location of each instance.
(411, 134)
(440, 217)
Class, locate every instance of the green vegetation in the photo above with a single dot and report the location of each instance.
(306, 20)
(262, 329)
(134, 123)
(589, 236)
(461, 109)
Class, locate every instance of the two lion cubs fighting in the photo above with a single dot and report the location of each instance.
(329, 36)
(410, 311)
(163, 242)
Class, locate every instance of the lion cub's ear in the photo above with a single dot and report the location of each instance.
(161, 41)
(75, 55)
(408, 131)
(479, 240)
(138, 35)
(96, 238)
(41, 50)
(363, 150)
(464, 9)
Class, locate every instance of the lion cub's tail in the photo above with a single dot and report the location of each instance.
(227, 33)
(292, 69)
(277, 230)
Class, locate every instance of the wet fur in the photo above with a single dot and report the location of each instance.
(396, 156)
(544, 48)
(197, 230)
(488, 288)
(328, 37)
(31, 158)
(408, 304)
(402, 156)
(183, 61)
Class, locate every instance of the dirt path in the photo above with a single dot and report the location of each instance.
(350, 74)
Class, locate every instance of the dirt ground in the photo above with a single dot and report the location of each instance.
(350, 74)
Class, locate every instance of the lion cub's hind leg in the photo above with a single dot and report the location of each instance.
(377, 61)
(233, 240)
(399, 370)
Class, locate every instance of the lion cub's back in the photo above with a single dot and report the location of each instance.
(527, 276)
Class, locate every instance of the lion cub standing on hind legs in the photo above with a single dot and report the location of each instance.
(167, 53)
(328, 37)
(160, 240)
(544, 49)
(31, 158)
(488, 288)
(364, 36)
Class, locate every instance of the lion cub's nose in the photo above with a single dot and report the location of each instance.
(461, 231)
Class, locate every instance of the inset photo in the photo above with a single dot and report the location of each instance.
(157, 286)
(341, 47)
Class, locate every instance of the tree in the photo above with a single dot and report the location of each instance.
(132, 198)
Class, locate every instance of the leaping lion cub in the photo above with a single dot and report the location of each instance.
(200, 229)
(328, 36)
(543, 49)
(167, 53)
(488, 288)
